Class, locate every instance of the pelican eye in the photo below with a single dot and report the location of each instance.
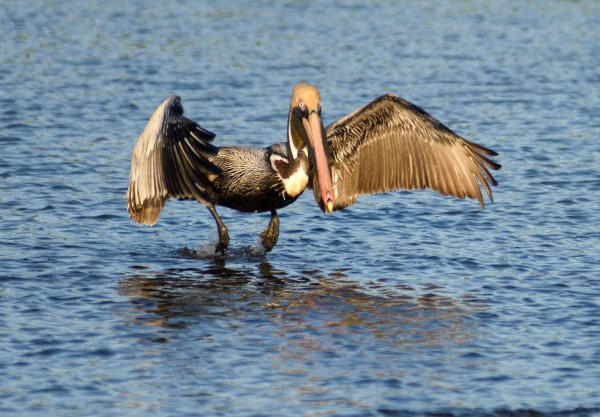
(302, 108)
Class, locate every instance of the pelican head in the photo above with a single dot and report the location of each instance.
(306, 133)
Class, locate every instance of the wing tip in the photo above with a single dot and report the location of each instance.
(146, 212)
(145, 215)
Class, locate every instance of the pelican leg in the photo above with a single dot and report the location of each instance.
(221, 229)
(271, 234)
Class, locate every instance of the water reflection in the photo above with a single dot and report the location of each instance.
(297, 334)
(309, 301)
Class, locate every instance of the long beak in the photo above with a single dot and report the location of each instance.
(316, 137)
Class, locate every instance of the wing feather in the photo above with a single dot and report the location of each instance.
(171, 159)
(391, 144)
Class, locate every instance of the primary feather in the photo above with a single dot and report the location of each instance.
(391, 144)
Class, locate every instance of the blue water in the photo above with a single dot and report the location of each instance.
(405, 304)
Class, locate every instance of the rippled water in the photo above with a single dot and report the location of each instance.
(406, 304)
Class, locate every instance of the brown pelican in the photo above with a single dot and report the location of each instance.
(389, 144)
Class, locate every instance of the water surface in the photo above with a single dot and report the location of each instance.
(405, 304)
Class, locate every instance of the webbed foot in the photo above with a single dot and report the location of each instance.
(271, 234)
(221, 229)
(223, 241)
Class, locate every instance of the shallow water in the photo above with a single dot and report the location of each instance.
(405, 304)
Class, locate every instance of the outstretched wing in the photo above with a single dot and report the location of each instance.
(391, 144)
(170, 159)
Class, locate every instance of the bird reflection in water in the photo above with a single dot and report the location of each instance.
(310, 300)
(297, 332)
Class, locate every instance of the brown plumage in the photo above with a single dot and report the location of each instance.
(389, 144)
(170, 160)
